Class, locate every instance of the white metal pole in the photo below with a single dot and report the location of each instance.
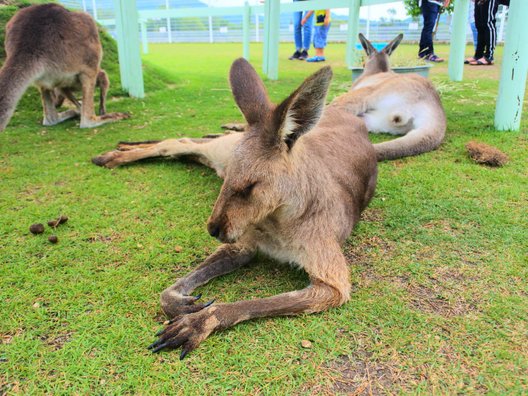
(84, 5)
(368, 22)
(210, 29)
(501, 26)
(169, 27)
(94, 8)
(257, 28)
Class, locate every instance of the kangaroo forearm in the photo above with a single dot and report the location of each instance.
(226, 259)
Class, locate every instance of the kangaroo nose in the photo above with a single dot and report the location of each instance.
(214, 230)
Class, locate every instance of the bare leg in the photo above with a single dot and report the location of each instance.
(227, 258)
(51, 116)
(88, 117)
(329, 287)
(214, 153)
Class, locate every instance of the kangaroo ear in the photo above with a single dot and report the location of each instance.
(301, 111)
(389, 48)
(249, 91)
(367, 46)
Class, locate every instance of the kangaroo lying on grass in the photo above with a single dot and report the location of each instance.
(401, 104)
(55, 49)
(294, 189)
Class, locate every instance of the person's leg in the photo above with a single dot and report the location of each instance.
(491, 39)
(475, 34)
(297, 30)
(297, 35)
(481, 25)
(320, 34)
(430, 14)
(307, 33)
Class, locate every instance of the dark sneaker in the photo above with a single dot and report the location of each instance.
(296, 55)
(304, 55)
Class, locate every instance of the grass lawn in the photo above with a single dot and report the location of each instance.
(439, 264)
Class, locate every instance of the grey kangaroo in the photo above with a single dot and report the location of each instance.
(399, 104)
(55, 49)
(295, 187)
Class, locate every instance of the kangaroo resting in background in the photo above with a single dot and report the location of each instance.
(55, 49)
(295, 186)
(400, 104)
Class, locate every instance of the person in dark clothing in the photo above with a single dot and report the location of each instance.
(485, 21)
(430, 11)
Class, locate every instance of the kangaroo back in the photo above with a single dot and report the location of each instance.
(394, 103)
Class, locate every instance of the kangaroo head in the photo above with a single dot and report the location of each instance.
(261, 176)
(378, 61)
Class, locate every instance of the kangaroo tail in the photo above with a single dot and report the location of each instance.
(15, 77)
(419, 140)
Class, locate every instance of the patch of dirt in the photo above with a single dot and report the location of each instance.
(444, 293)
(374, 215)
(360, 374)
(57, 342)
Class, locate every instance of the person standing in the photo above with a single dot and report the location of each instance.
(430, 11)
(485, 13)
(302, 34)
(322, 26)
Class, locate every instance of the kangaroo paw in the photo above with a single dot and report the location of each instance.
(187, 331)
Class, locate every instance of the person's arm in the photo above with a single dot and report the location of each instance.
(327, 18)
(308, 15)
(446, 3)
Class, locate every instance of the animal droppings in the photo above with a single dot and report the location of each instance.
(53, 239)
(36, 228)
(55, 223)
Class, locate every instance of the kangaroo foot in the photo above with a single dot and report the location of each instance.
(104, 119)
(187, 330)
(109, 160)
(60, 117)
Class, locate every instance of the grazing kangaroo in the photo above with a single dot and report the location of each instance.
(405, 104)
(294, 189)
(53, 48)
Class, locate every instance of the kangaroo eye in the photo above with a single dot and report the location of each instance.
(246, 192)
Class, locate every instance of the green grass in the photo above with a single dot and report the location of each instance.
(439, 264)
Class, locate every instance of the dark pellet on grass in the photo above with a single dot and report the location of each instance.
(53, 239)
(37, 228)
(55, 223)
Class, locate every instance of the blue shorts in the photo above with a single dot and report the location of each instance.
(320, 35)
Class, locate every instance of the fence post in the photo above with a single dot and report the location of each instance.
(273, 39)
(512, 84)
(169, 27)
(144, 38)
(128, 45)
(458, 41)
(352, 31)
(94, 9)
(210, 21)
(245, 29)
